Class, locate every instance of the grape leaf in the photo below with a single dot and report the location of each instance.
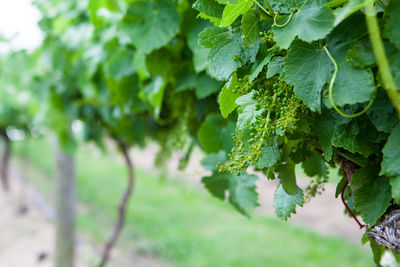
(391, 154)
(211, 161)
(392, 30)
(213, 36)
(209, 7)
(215, 134)
(203, 84)
(285, 204)
(311, 22)
(276, 66)
(120, 65)
(372, 194)
(199, 52)
(232, 12)
(313, 60)
(241, 188)
(250, 29)
(361, 55)
(352, 85)
(222, 58)
(324, 127)
(356, 137)
(382, 108)
(286, 174)
(395, 184)
(156, 22)
(247, 111)
(269, 157)
(227, 97)
(217, 184)
(153, 94)
(314, 166)
(227, 2)
(260, 66)
(349, 8)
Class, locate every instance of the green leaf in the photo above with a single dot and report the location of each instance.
(314, 165)
(94, 6)
(377, 251)
(120, 65)
(349, 8)
(203, 84)
(324, 128)
(247, 111)
(241, 188)
(276, 66)
(217, 184)
(222, 58)
(395, 184)
(228, 96)
(213, 36)
(260, 66)
(356, 137)
(242, 192)
(361, 54)
(232, 12)
(314, 62)
(199, 52)
(352, 85)
(392, 30)
(250, 29)
(153, 94)
(391, 154)
(285, 204)
(394, 61)
(215, 134)
(382, 108)
(311, 22)
(227, 2)
(286, 174)
(151, 24)
(269, 157)
(211, 161)
(372, 194)
(209, 7)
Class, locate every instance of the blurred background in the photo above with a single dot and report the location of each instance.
(171, 219)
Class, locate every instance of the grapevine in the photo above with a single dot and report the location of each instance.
(255, 84)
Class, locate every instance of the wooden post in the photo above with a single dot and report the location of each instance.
(5, 160)
(65, 210)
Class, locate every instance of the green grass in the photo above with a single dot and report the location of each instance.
(185, 226)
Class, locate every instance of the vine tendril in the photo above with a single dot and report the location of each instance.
(284, 24)
(331, 91)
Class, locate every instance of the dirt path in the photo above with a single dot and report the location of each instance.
(26, 238)
(27, 235)
(323, 214)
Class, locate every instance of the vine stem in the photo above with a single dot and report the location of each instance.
(122, 206)
(347, 207)
(271, 10)
(331, 91)
(261, 7)
(380, 55)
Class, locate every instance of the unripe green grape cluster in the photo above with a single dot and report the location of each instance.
(277, 109)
